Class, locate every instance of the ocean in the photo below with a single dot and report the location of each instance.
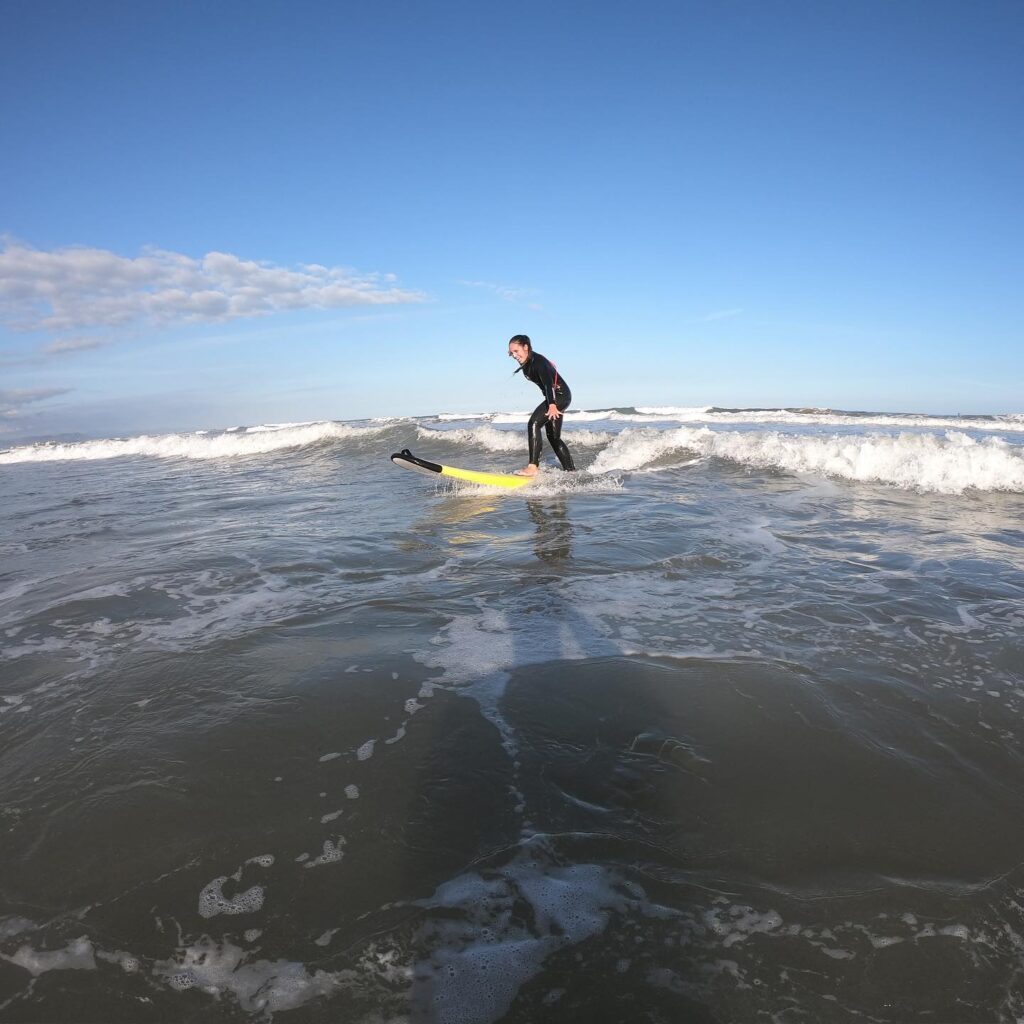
(726, 726)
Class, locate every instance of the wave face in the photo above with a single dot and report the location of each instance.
(201, 444)
(950, 464)
(930, 454)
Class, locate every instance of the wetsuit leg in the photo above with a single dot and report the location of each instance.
(533, 432)
(554, 432)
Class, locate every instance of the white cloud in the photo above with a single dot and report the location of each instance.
(75, 289)
(78, 343)
(722, 314)
(506, 292)
(12, 400)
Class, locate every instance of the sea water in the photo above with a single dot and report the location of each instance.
(725, 726)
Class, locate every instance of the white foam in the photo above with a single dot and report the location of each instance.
(225, 445)
(738, 923)
(265, 428)
(332, 853)
(265, 986)
(1009, 422)
(725, 925)
(494, 440)
(484, 436)
(515, 416)
(473, 647)
(209, 604)
(212, 900)
(615, 416)
(78, 955)
(13, 703)
(482, 647)
(587, 438)
(352, 792)
(949, 464)
(483, 951)
(11, 926)
(128, 963)
(365, 752)
(698, 414)
(674, 412)
(583, 416)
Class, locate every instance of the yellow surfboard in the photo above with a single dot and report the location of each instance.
(407, 460)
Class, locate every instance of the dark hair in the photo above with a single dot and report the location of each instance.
(521, 339)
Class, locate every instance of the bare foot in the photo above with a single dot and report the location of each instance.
(531, 470)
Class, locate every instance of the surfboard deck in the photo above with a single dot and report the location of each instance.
(407, 460)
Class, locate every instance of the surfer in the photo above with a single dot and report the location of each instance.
(548, 414)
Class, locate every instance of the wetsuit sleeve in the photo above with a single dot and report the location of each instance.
(546, 378)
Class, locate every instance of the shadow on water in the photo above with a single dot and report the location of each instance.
(541, 918)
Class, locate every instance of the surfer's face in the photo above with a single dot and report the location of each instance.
(520, 353)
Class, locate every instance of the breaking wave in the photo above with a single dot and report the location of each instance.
(948, 464)
(197, 445)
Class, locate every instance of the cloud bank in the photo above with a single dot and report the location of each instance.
(13, 401)
(75, 289)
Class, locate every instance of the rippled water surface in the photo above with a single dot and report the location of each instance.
(725, 727)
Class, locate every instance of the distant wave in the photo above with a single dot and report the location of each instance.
(931, 453)
(595, 415)
(197, 445)
(495, 440)
(949, 464)
(1006, 422)
(486, 436)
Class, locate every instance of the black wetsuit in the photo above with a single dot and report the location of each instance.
(556, 392)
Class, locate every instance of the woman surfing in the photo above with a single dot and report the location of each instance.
(548, 414)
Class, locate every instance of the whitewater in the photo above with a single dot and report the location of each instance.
(727, 725)
(928, 453)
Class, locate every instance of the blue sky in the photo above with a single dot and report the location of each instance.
(228, 213)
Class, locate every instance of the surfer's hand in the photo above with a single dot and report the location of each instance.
(553, 412)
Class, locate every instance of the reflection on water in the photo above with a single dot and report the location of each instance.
(488, 523)
(457, 509)
(553, 539)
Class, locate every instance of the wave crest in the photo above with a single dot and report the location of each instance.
(198, 445)
(949, 464)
